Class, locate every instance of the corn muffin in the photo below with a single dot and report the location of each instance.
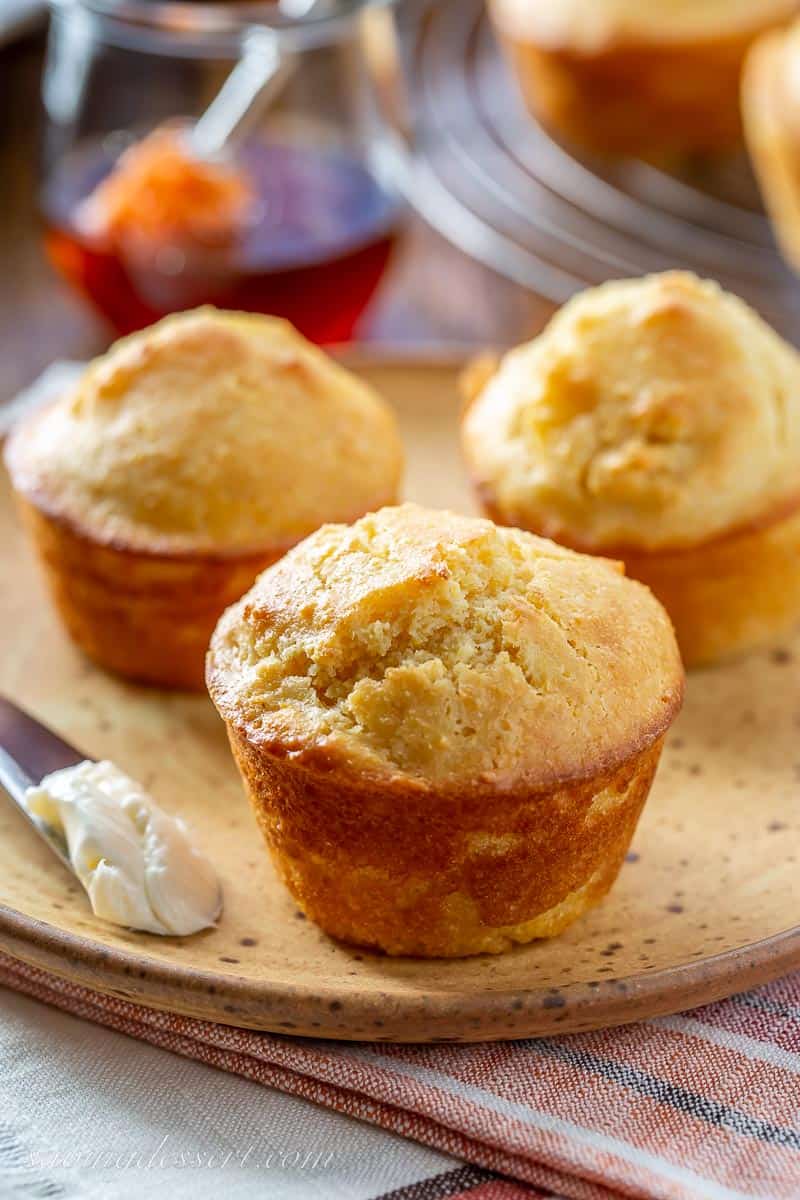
(447, 730)
(653, 78)
(656, 420)
(771, 111)
(185, 460)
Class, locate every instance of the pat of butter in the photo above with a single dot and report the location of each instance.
(136, 862)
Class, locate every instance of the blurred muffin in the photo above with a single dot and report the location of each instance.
(654, 78)
(771, 111)
(447, 730)
(186, 459)
(657, 420)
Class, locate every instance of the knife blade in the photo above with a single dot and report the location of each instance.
(28, 752)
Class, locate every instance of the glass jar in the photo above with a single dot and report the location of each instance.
(318, 162)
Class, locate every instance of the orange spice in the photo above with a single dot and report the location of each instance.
(159, 192)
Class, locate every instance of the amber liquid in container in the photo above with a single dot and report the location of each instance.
(317, 245)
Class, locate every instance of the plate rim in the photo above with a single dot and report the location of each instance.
(537, 1012)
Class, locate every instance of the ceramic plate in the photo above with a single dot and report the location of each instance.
(705, 905)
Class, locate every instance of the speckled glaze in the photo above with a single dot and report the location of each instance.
(704, 905)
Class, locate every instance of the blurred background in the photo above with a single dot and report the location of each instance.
(413, 173)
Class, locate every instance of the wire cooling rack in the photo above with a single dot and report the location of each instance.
(498, 186)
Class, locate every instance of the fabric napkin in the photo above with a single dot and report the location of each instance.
(705, 1104)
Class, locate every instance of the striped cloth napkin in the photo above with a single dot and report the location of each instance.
(703, 1105)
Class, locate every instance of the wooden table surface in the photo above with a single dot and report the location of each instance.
(431, 294)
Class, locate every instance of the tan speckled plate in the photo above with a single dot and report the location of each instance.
(706, 904)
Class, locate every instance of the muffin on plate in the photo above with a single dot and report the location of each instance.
(656, 420)
(653, 78)
(771, 111)
(447, 730)
(186, 459)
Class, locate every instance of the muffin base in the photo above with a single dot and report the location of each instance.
(724, 597)
(409, 870)
(730, 595)
(658, 102)
(146, 616)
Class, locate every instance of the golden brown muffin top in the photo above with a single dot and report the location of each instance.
(442, 648)
(650, 413)
(210, 431)
(592, 25)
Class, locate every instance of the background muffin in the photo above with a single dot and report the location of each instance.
(646, 77)
(447, 730)
(657, 420)
(186, 459)
(771, 111)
